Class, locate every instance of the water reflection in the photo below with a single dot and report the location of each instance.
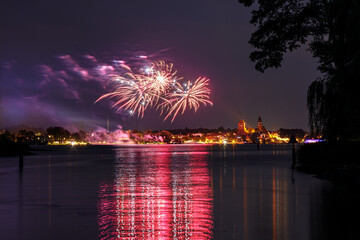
(255, 197)
(166, 195)
(172, 192)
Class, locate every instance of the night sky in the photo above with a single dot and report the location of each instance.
(54, 55)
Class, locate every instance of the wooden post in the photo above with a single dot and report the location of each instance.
(293, 141)
(21, 160)
(21, 153)
(293, 156)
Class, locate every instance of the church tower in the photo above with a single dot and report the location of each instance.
(241, 127)
(259, 123)
(260, 126)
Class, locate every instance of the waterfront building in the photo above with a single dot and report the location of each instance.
(241, 128)
(260, 126)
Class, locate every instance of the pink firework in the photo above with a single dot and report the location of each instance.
(188, 96)
(157, 86)
(134, 94)
(162, 76)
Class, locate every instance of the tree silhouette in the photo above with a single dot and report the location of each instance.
(331, 31)
(59, 133)
(167, 136)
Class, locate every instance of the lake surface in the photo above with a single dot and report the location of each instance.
(171, 192)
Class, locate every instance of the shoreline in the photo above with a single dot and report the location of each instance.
(336, 162)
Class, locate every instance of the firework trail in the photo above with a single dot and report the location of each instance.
(156, 85)
(162, 75)
(189, 95)
(134, 94)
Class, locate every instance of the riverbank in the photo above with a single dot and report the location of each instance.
(337, 162)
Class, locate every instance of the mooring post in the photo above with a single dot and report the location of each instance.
(293, 141)
(21, 153)
(293, 156)
(21, 160)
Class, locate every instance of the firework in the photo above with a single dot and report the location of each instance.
(189, 95)
(161, 76)
(133, 93)
(156, 85)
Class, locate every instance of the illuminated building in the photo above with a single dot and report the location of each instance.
(260, 126)
(241, 128)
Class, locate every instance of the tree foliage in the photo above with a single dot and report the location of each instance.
(166, 135)
(331, 30)
(59, 133)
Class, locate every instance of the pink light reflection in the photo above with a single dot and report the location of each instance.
(157, 196)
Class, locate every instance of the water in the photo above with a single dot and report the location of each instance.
(171, 192)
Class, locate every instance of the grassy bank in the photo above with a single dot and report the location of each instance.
(338, 162)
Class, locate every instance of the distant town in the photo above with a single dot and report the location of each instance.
(239, 135)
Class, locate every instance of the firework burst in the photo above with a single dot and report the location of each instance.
(133, 93)
(188, 96)
(161, 76)
(157, 86)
